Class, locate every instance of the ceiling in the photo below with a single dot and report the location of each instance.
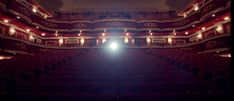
(113, 5)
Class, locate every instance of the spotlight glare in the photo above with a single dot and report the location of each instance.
(113, 46)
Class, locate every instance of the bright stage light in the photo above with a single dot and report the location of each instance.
(113, 46)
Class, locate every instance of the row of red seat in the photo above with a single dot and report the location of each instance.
(209, 65)
(27, 67)
(127, 74)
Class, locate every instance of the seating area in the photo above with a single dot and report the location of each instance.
(206, 65)
(131, 74)
(159, 50)
(27, 67)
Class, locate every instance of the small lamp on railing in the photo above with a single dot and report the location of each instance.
(34, 9)
(97, 42)
(133, 41)
(60, 41)
(185, 15)
(219, 29)
(31, 38)
(148, 40)
(28, 30)
(103, 39)
(226, 18)
(6, 21)
(126, 40)
(79, 34)
(169, 40)
(199, 35)
(203, 28)
(103, 34)
(12, 31)
(43, 34)
(195, 7)
(82, 41)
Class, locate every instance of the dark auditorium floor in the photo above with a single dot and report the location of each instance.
(125, 75)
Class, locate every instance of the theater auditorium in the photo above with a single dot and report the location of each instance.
(159, 50)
